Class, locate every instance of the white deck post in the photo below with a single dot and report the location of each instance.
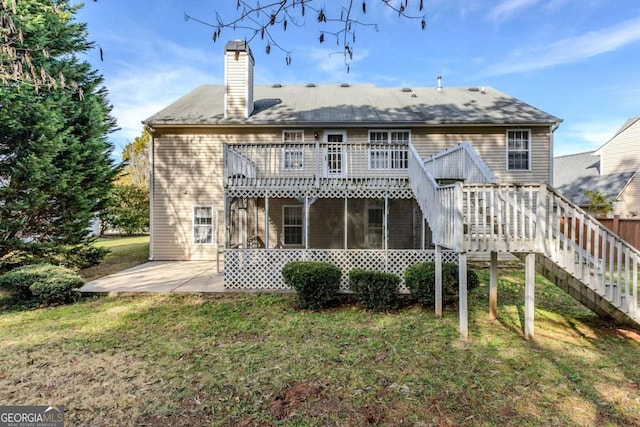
(493, 286)
(306, 222)
(346, 223)
(266, 220)
(242, 213)
(438, 281)
(423, 231)
(227, 222)
(385, 223)
(529, 295)
(464, 311)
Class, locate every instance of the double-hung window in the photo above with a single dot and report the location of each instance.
(293, 152)
(389, 149)
(293, 225)
(203, 225)
(518, 150)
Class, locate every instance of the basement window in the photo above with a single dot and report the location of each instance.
(518, 150)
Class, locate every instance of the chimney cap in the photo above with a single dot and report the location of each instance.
(238, 46)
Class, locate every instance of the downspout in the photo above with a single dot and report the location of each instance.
(151, 187)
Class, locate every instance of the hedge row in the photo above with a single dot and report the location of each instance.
(317, 284)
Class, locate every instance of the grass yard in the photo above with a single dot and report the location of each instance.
(252, 360)
(126, 252)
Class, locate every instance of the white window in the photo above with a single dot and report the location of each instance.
(518, 150)
(394, 154)
(293, 159)
(203, 225)
(293, 154)
(293, 225)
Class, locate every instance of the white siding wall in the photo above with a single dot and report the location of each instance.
(490, 143)
(629, 202)
(622, 154)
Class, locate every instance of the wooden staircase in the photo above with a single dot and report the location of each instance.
(572, 249)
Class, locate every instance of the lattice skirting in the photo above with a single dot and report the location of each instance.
(259, 269)
(328, 193)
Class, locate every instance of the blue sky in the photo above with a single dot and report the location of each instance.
(576, 59)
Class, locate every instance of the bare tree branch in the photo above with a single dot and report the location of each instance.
(258, 20)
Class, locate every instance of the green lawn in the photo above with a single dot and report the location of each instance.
(126, 252)
(252, 360)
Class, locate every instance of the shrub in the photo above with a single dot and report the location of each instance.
(82, 255)
(316, 283)
(42, 283)
(421, 281)
(376, 290)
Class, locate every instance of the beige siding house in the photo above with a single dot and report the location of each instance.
(255, 176)
(613, 170)
(319, 166)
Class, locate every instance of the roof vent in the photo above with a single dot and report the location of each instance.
(482, 90)
(345, 85)
(474, 89)
(406, 89)
(311, 85)
(413, 95)
(276, 85)
(439, 83)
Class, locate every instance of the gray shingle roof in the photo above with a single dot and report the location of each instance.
(354, 105)
(576, 173)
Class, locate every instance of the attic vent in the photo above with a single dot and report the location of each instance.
(345, 85)
(311, 85)
(406, 89)
(474, 89)
(276, 85)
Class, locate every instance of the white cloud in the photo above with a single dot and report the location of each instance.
(584, 136)
(507, 8)
(331, 62)
(570, 50)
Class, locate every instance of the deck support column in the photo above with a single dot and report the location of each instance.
(306, 222)
(242, 217)
(385, 223)
(423, 231)
(529, 295)
(493, 286)
(227, 222)
(266, 220)
(438, 281)
(346, 223)
(462, 291)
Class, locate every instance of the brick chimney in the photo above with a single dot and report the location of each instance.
(238, 80)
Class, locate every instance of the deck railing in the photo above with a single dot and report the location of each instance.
(460, 163)
(271, 163)
(535, 218)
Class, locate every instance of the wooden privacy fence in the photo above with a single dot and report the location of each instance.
(628, 229)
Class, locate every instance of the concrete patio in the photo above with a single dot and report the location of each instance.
(161, 277)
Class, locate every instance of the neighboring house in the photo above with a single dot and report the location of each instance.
(612, 170)
(370, 177)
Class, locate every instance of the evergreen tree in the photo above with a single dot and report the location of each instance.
(55, 165)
